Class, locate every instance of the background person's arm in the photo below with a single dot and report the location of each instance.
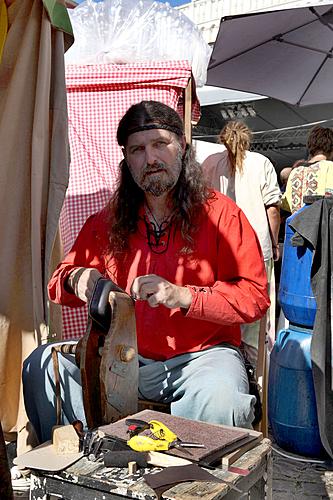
(273, 217)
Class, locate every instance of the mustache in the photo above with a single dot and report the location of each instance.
(153, 168)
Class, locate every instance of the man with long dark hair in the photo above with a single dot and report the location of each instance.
(191, 261)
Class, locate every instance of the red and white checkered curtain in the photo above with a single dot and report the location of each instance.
(98, 96)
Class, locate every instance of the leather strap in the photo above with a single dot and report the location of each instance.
(64, 349)
(54, 353)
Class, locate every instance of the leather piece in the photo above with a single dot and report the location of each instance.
(169, 477)
(99, 306)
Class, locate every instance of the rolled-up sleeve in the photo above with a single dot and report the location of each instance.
(271, 193)
(86, 252)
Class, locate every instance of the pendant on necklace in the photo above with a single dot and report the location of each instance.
(158, 233)
(150, 215)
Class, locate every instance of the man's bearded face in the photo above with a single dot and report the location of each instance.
(154, 158)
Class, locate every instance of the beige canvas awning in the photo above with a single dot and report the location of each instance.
(34, 164)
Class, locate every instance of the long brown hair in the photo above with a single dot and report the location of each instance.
(236, 137)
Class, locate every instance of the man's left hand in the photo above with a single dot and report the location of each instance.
(157, 290)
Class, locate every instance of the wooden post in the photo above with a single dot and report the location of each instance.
(6, 492)
(188, 111)
(261, 374)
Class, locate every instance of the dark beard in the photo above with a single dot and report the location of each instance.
(157, 187)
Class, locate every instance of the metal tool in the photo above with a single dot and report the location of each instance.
(135, 426)
(89, 440)
(96, 445)
(161, 438)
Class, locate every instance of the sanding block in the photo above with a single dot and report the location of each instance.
(65, 439)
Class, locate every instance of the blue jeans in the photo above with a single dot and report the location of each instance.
(210, 385)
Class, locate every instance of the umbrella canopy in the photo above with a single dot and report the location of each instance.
(285, 54)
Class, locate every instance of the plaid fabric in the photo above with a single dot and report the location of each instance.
(98, 96)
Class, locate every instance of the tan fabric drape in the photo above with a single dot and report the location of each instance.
(34, 162)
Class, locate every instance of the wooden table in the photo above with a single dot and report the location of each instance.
(87, 480)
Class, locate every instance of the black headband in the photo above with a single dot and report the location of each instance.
(176, 130)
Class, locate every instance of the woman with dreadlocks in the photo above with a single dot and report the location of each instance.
(249, 179)
(178, 249)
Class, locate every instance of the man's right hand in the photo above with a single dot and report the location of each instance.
(82, 282)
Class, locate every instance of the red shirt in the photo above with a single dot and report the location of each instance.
(225, 275)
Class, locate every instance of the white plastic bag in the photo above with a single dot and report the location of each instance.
(127, 31)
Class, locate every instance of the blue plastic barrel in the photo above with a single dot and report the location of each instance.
(292, 408)
(295, 293)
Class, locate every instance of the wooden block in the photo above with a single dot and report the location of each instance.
(230, 458)
(132, 467)
(65, 439)
(163, 460)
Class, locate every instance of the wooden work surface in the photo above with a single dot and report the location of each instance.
(91, 480)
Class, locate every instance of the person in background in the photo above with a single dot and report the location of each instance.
(192, 261)
(320, 147)
(250, 180)
(313, 176)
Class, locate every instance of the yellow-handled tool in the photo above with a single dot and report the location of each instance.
(161, 431)
(146, 443)
(161, 438)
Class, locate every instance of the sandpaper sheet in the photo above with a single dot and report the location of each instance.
(218, 439)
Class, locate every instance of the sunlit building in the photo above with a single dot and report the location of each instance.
(206, 14)
(280, 129)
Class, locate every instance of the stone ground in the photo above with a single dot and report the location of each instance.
(293, 478)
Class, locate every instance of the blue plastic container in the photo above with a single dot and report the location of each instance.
(295, 293)
(292, 408)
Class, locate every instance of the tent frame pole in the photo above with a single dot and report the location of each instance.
(188, 111)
